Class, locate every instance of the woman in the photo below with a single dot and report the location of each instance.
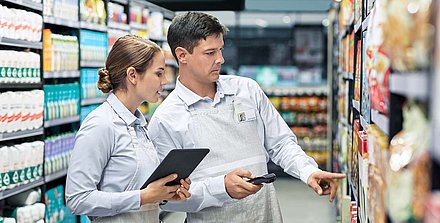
(113, 155)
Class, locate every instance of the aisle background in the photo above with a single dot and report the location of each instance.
(298, 204)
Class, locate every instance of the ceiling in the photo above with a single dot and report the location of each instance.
(256, 13)
(246, 5)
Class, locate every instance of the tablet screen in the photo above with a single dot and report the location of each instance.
(179, 161)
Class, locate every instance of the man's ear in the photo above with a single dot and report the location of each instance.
(181, 54)
(131, 75)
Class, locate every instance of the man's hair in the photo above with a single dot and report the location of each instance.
(186, 30)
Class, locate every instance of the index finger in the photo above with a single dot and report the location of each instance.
(335, 176)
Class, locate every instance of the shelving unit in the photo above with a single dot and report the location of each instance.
(61, 22)
(20, 43)
(27, 4)
(92, 26)
(370, 102)
(61, 121)
(91, 64)
(64, 75)
(20, 189)
(92, 101)
(292, 91)
(55, 176)
(21, 86)
(381, 121)
(61, 74)
(410, 85)
(21, 134)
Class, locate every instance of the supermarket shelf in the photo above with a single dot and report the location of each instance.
(363, 122)
(119, 26)
(23, 86)
(92, 101)
(292, 91)
(347, 76)
(356, 105)
(92, 26)
(380, 120)
(20, 189)
(61, 22)
(20, 43)
(159, 39)
(61, 121)
(92, 64)
(171, 62)
(27, 3)
(62, 74)
(410, 85)
(122, 2)
(168, 87)
(21, 134)
(137, 26)
(365, 23)
(55, 176)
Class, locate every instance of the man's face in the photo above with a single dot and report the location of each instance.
(205, 62)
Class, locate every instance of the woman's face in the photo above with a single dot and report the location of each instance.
(151, 83)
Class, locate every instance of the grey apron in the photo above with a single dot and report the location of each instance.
(231, 134)
(145, 153)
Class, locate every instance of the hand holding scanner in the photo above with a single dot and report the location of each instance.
(267, 178)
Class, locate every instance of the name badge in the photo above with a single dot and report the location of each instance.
(246, 116)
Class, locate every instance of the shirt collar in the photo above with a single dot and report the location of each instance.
(190, 98)
(124, 113)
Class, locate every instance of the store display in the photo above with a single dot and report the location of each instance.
(21, 164)
(280, 76)
(116, 13)
(32, 213)
(408, 166)
(70, 58)
(139, 20)
(407, 34)
(377, 62)
(19, 67)
(388, 181)
(61, 101)
(56, 211)
(93, 11)
(21, 110)
(58, 149)
(60, 52)
(93, 46)
(156, 26)
(20, 25)
(63, 9)
(88, 79)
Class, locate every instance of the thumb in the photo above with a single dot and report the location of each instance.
(315, 186)
(243, 173)
(168, 178)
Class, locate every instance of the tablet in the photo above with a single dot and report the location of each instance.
(179, 161)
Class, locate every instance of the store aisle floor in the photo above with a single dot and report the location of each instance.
(298, 204)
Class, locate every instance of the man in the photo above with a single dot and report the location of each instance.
(232, 116)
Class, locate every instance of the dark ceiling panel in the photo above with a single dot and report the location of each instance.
(201, 5)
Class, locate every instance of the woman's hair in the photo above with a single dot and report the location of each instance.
(128, 51)
(186, 30)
